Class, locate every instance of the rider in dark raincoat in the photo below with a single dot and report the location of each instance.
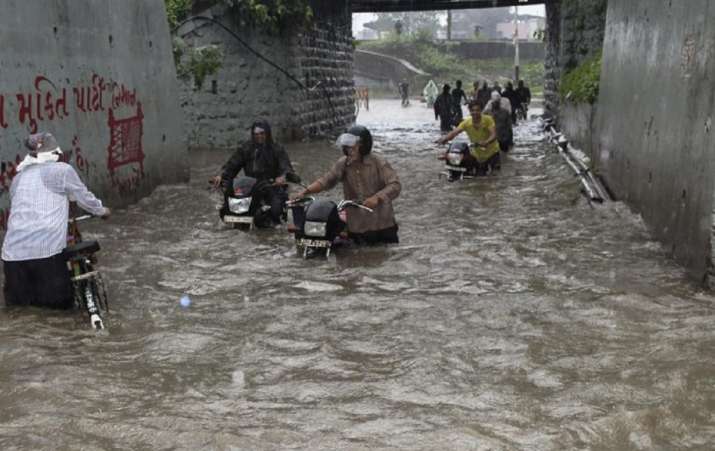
(263, 159)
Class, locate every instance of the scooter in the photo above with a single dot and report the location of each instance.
(319, 224)
(89, 290)
(246, 203)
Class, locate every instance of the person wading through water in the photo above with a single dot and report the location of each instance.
(368, 178)
(484, 154)
(444, 109)
(35, 268)
(263, 159)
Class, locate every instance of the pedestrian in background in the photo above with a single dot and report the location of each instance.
(502, 119)
(458, 96)
(484, 95)
(444, 109)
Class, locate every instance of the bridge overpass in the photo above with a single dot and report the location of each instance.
(378, 6)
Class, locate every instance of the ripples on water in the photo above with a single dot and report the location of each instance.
(513, 315)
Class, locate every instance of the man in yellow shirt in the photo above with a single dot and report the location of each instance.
(482, 133)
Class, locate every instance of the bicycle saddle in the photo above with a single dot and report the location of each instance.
(83, 248)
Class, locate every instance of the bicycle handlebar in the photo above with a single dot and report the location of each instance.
(349, 203)
(80, 218)
(300, 200)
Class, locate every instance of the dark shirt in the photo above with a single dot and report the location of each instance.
(513, 98)
(483, 97)
(262, 162)
(444, 106)
(524, 95)
(457, 96)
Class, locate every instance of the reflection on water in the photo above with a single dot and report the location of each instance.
(513, 315)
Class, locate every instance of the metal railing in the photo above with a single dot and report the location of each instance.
(592, 186)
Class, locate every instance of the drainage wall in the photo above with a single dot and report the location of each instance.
(653, 138)
(99, 75)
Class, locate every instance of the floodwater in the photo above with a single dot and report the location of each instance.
(513, 315)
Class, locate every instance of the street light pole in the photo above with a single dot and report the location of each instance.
(516, 44)
(449, 25)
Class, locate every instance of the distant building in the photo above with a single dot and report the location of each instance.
(367, 34)
(526, 28)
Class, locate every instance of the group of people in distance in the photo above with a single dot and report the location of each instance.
(493, 112)
(448, 105)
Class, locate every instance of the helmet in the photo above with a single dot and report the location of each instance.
(357, 132)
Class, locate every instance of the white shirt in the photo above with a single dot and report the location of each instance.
(39, 208)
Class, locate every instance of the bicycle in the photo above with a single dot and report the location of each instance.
(90, 293)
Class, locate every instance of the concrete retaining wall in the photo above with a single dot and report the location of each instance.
(654, 141)
(99, 75)
(246, 87)
(500, 49)
(576, 122)
(378, 67)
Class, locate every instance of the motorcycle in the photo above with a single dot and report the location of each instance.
(456, 163)
(319, 224)
(89, 290)
(246, 204)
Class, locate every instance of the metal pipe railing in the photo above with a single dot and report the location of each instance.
(591, 186)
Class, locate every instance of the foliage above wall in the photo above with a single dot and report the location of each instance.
(272, 16)
(196, 62)
(177, 10)
(581, 84)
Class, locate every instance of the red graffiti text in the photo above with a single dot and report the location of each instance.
(90, 98)
(3, 124)
(44, 103)
(123, 96)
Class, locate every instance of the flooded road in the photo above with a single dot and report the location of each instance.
(512, 316)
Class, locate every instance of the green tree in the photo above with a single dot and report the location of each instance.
(270, 15)
(177, 10)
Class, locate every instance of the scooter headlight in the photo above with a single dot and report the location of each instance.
(239, 205)
(455, 159)
(315, 229)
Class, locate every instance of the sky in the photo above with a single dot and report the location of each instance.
(361, 18)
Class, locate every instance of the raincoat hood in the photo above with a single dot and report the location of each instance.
(265, 126)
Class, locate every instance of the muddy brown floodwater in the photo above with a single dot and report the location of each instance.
(513, 315)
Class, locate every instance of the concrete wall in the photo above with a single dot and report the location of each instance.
(85, 70)
(575, 30)
(380, 68)
(654, 140)
(500, 49)
(247, 87)
(576, 122)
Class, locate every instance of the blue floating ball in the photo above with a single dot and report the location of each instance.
(185, 301)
